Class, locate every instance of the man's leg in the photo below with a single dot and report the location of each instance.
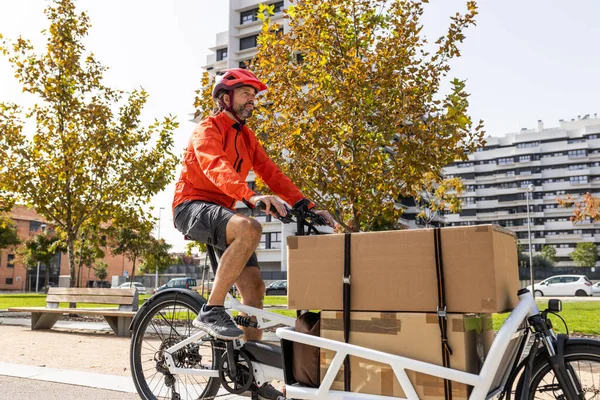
(252, 290)
(243, 236)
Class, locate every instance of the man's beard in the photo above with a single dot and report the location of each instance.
(243, 112)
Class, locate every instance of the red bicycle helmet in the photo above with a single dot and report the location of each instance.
(235, 78)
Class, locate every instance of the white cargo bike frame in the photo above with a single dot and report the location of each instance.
(482, 384)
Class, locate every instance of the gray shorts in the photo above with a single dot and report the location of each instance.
(206, 222)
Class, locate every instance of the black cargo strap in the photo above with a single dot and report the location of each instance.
(441, 311)
(346, 306)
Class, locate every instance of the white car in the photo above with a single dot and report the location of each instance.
(564, 285)
(140, 288)
(596, 289)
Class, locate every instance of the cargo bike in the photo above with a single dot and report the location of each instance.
(171, 359)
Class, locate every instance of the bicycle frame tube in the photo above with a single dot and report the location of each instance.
(265, 319)
(481, 383)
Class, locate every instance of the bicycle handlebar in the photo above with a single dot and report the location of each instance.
(299, 211)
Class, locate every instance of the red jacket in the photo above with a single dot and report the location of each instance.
(217, 161)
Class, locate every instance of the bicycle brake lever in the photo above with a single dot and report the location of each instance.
(286, 220)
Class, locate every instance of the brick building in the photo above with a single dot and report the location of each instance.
(15, 277)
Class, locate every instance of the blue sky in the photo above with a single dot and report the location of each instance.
(524, 61)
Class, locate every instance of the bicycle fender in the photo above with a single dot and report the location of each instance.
(195, 296)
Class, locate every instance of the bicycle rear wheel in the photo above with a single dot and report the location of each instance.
(168, 321)
(585, 363)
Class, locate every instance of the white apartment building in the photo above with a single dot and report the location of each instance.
(238, 44)
(234, 47)
(558, 161)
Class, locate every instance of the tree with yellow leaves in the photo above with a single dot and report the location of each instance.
(89, 157)
(354, 114)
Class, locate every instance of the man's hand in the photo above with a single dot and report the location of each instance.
(325, 214)
(270, 201)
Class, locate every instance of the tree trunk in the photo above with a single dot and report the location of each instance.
(89, 270)
(133, 271)
(47, 275)
(71, 253)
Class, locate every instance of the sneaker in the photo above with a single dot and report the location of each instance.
(268, 392)
(217, 323)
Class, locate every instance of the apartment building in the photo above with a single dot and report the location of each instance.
(233, 49)
(237, 45)
(559, 161)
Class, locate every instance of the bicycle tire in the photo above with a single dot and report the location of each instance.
(159, 328)
(585, 360)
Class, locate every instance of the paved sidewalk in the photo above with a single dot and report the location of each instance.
(37, 381)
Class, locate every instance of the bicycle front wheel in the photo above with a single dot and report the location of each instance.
(584, 361)
(168, 321)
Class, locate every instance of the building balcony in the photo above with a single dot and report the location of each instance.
(559, 211)
(553, 186)
(485, 168)
(554, 239)
(486, 192)
(268, 255)
(564, 251)
(485, 178)
(556, 160)
(222, 41)
(558, 225)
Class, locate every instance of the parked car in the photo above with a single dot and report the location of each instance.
(564, 285)
(277, 288)
(596, 289)
(185, 283)
(101, 284)
(140, 288)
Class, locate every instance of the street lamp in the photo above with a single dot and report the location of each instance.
(156, 272)
(37, 275)
(530, 189)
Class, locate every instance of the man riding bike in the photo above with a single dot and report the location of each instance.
(221, 152)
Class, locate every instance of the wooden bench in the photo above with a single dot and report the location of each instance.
(118, 318)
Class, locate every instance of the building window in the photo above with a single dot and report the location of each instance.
(9, 281)
(248, 42)
(593, 137)
(221, 54)
(506, 161)
(465, 165)
(573, 141)
(247, 17)
(275, 240)
(577, 166)
(577, 153)
(35, 226)
(278, 7)
(578, 179)
(525, 183)
(469, 200)
(11, 261)
(263, 241)
(527, 145)
(524, 158)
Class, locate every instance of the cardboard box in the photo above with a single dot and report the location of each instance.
(395, 270)
(413, 335)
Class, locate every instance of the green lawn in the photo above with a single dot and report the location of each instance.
(581, 317)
